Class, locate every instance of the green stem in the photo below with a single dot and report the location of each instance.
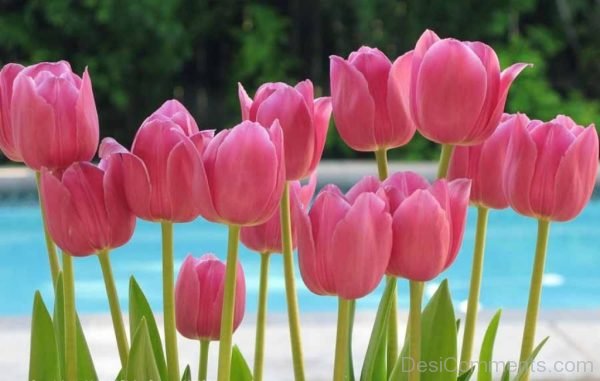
(261, 317)
(115, 308)
(228, 304)
(475, 287)
(350, 330)
(382, 163)
(535, 294)
(444, 160)
(70, 319)
(290, 286)
(203, 367)
(169, 301)
(414, 329)
(342, 341)
(50, 248)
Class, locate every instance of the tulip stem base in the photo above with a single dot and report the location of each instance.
(342, 342)
(535, 294)
(115, 308)
(50, 247)
(169, 301)
(261, 317)
(290, 285)
(475, 287)
(70, 319)
(445, 156)
(203, 367)
(414, 329)
(228, 304)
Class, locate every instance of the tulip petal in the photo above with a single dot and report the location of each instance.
(86, 120)
(398, 101)
(121, 219)
(305, 88)
(488, 181)
(458, 192)
(137, 185)
(400, 185)
(366, 184)
(321, 117)
(7, 139)
(245, 102)
(186, 184)
(187, 290)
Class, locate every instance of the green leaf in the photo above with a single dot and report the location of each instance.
(187, 374)
(43, 355)
(121, 375)
(484, 373)
(139, 309)
(239, 367)
(141, 364)
(466, 376)
(506, 372)
(523, 370)
(85, 363)
(398, 373)
(373, 367)
(457, 325)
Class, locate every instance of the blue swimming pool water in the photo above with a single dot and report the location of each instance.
(572, 273)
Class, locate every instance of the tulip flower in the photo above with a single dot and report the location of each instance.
(370, 102)
(344, 242)
(457, 92)
(483, 164)
(266, 238)
(199, 297)
(7, 139)
(53, 116)
(428, 224)
(551, 168)
(303, 119)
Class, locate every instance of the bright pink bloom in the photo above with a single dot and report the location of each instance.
(86, 209)
(483, 164)
(303, 119)
(428, 224)
(266, 238)
(457, 92)
(551, 168)
(53, 116)
(344, 242)
(163, 174)
(199, 297)
(370, 102)
(7, 139)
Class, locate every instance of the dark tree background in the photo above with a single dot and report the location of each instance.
(142, 52)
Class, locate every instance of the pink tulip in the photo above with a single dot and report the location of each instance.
(344, 242)
(266, 238)
(483, 164)
(86, 209)
(303, 119)
(370, 102)
(53, 116)
(7, 139)
(428, 224)
(457, 92)
(199, 297)
(551, 168)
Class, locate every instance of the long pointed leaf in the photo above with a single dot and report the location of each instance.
(240, 371)
(141, 364)
(484, 371)
(187, 374)
(43, 357)
(466, 376)
(522, 371)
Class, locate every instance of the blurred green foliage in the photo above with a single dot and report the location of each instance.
(142, 52)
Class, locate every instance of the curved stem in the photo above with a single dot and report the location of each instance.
(50, 248)
(261, 317)
(203, 367)
(382, 163)
(169, 301)
(228, 304)
(444, 160)
(70, 319)
(115, 308)
(342, 341)
(414, 329)
(475, 287)
(535, 294)
(290, 286)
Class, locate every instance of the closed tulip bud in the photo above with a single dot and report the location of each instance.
(266, 237)
(86, 209)
(163, 173)
(303, 119)
(7, 139)
(457, 93)
(483, 165)
(370, 101)
(344, 242)
(245, 173)
(53, 116)
(428, 224)
(551, 168)
(199, 297)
